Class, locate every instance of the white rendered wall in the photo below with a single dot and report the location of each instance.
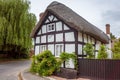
(37, 40)
(79, 49)
(50, 38)
(97, 47)
(59, 37)
(108, 46)
(98, 43)
(59, 26)
(51, 48)
(43, 39)
(89, 40)
(70, 64)
(37, 50)
(51, 17)
(69, 48)
(69, 36)
(39, 32)
(79, 36)
(85, 38)
(66, 27)
(43, 29)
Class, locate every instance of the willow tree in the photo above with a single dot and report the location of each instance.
(16, 23)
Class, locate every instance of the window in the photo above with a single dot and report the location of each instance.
(51, 27)
(43, 48)
(59, 49)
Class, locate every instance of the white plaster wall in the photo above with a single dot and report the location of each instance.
(108, 46)
(98, 43)
(79, 36)
(89, 41)
(37, 40)
(69, 64)
(59, 26)
(47, 21)
(85, 38)
(69, 36)
(43, 39)
(59, 37)
(39, 32)
(84, 51)
(79, 49)
(55, 19)
(51, 17)
(93, 41)
(37, 50)
(51, 48)
(66, 27)
(69, 48)
(43, 29)
(50, 38)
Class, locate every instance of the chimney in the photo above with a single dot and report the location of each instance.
(41, 14)
(107, 28)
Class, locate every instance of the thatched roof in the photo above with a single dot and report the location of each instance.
(73, 20)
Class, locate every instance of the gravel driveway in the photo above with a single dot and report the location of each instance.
(9, 70)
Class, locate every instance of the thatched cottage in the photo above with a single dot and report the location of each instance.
(60, 29)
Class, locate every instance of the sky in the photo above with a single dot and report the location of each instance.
(97, 12)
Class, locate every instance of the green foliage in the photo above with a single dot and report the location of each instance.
(116, 50)
(44, 63)
(16, 23)
(112, 36)
(89, 50)
(102, 53)
(67, 56)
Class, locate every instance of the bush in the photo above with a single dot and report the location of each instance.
(89, 50)
(116, 50)
(67, 56)
(102, 53)
(44, 63)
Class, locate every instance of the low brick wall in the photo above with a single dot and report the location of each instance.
(67, 73)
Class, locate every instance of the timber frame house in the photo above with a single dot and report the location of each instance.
(60, 29)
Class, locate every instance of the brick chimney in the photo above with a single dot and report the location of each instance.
(107, 28)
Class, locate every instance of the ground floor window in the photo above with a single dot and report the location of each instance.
(59, 49)
(43, 48)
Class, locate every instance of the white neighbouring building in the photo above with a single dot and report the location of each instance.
(60, 29)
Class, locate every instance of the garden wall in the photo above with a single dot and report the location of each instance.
(106, 69)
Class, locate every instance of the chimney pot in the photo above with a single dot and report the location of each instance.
(107, 28)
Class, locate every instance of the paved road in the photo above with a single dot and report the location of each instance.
(10, 70)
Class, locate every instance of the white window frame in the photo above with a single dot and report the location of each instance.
(43, 48)
(51, 27)
(58, 49)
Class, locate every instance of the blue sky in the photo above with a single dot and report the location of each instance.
(97, 12)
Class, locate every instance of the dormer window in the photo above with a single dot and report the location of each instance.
(51, 27)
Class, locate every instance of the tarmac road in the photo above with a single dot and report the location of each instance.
(9, 70)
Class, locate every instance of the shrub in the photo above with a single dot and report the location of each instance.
(89, 50)
(67, 56)
(44, 63)
(116, 50)
(102, 53)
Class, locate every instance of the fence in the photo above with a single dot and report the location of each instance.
(99, 69)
